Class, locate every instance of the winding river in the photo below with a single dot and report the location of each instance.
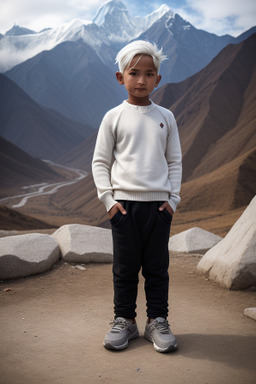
(45, 188)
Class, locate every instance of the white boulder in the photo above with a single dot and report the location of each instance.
(250, 312)
(194, 240)
(84, 244)
(232, 262)
(25, 255)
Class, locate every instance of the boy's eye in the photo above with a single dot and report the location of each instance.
(136, 74)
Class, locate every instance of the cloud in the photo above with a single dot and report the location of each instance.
(222, 16)
(10, 58)
(40, 14)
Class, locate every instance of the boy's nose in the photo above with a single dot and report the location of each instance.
(141, 80)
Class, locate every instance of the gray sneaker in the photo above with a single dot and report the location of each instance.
(159, 333)
(119, 335)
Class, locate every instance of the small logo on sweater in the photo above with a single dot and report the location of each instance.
(161, 125)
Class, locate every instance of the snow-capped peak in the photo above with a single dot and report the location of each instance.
(153, 17)
(162, 10)
(108, 8)
(16, 30)
(114, 19)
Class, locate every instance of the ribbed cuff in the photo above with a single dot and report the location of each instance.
(108, 201)
(173, 202)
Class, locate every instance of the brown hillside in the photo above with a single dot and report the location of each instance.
(229, 187)
(80, 156)
(14, 220)
(81, 199)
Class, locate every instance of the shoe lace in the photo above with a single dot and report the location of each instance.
(162, 326)
(119, 325)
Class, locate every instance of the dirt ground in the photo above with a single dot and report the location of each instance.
(53, 325)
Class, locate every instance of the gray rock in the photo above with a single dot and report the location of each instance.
(4, 232)
(26, 255)
(250, 312)
(194, 240)
(232, 262)
(84, 244)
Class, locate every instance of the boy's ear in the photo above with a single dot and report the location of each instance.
(158, 78)
(120, 78)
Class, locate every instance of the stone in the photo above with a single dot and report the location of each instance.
(26, 255)
(80, 267)
(4, 232)
(194, 240)
(232, 262)
(84, 244)
(250, 312)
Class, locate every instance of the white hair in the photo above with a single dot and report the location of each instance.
(127, 53)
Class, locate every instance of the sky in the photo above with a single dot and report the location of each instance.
(215, 16)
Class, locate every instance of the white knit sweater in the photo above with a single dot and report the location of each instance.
(138, 156)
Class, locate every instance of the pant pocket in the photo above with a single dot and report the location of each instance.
(166, 216)
(116, 218)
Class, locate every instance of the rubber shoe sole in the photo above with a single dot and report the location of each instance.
(120, 334)
(108, 345)
(170, 348)
(159, 333)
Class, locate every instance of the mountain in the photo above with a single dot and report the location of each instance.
(112, 26)
(227, 188)
(187, 48)
(17, 168)
(216, 114)
(119, 26)
(116, 22)
(39, 131)
(71, 69)
(71, 80)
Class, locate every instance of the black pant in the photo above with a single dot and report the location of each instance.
(140, 240)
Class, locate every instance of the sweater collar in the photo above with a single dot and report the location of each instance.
(139, 108)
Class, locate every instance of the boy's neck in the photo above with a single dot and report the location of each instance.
(140, 101)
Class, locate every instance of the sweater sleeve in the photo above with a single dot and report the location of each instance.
(102, 162)
(174, 160)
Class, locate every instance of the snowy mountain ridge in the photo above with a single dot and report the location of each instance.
(112, 24)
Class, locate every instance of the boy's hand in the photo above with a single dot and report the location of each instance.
(117, 207)
(166, 205)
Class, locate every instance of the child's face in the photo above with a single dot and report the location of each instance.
(139, 79)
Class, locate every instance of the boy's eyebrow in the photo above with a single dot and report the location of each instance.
(137, 70)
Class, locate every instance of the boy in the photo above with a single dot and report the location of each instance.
(137, 172)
